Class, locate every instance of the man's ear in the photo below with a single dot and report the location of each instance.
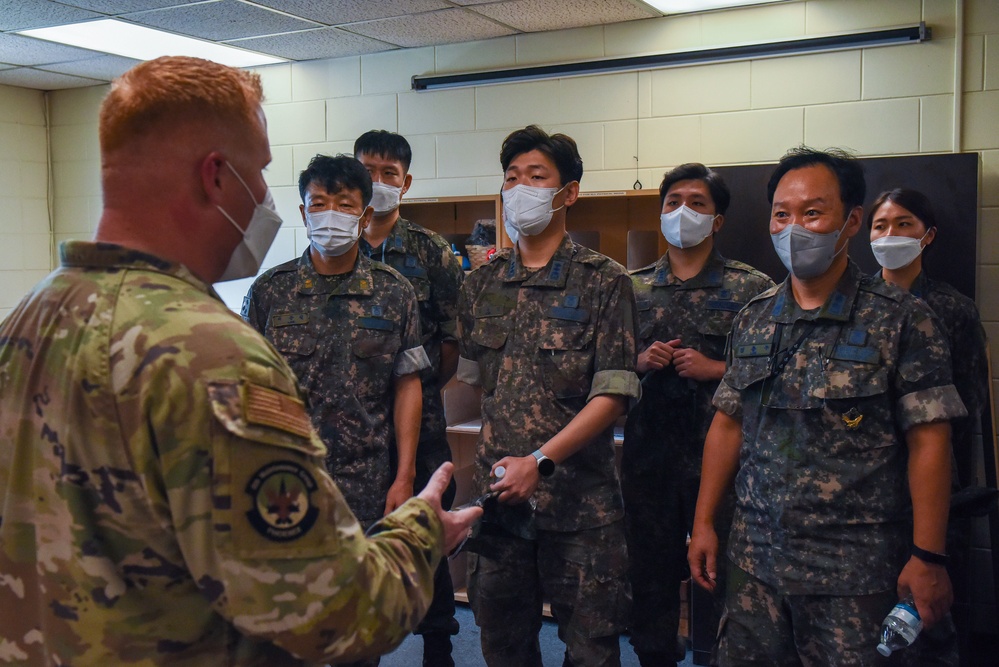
(571, 193)
(853, 222)
(365, 218)
(301, 209)
(406, 184)
(211, 168)
(717, 224)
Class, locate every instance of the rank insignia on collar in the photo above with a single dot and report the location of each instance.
(852, 419)
(308, 283)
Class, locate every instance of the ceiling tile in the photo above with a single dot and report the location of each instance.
(18, 50)
(339, 12)
(23, 14)
(105, 68)
(313, 44)
(540, 15)
(118, 7)
(26, 77)
(222, 20)
(442, 26)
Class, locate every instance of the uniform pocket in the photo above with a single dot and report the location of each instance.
(374, 361)
(292, 341)
(489, 336)
(566, 358)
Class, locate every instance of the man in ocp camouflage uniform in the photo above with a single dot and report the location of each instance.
(425, 259)
(548, 331)
(686, 304)
(163, 493)
(833, 417)
(349, 328)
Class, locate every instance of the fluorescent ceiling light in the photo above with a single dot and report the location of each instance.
(687, 6)
(135, 41)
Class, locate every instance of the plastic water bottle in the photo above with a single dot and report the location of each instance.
(901, 627)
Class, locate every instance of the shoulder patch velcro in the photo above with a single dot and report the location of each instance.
(267, 407)
(281, 506)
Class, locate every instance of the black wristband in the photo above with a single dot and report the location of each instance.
(930, 557)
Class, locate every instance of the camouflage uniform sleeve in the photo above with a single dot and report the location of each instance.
(614, 361)
(267, 535)
(727, 399)
(446, 277)
(970, 357)
(412, 358)
(252, 311)
(468, 368)
(923, 382)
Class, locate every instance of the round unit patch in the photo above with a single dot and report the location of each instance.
(281, 501)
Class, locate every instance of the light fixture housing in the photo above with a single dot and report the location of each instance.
(135, 41)
(902, 35)
(690, 6)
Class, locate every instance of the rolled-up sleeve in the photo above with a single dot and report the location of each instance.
(616, 333)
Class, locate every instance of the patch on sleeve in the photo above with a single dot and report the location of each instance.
(267, 407)
(281, 506)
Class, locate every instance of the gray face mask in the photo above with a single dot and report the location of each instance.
(258, 236)
(807, 254)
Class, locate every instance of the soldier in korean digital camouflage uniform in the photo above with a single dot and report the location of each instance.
(163, 493)
(548, 331)
(834, 412)
(686, 303)
(902, 224)
(424, 258)
(349, 328)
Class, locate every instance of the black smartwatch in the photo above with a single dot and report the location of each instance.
(546, 467)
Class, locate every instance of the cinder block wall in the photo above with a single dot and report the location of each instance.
(876, 101)
(25, 231)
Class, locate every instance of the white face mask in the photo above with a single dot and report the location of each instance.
(805, 253)
(895, 252)
(384, 198)
(685, 228)
(258, 236)
(528, 210)
(332, 233)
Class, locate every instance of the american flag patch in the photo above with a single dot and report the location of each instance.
(267, 407)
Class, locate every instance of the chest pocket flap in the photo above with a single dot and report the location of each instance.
(854, 371)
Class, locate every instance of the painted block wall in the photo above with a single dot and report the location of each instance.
(25, 230)
(875, 101)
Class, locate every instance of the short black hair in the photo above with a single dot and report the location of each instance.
(913, 201)
(342, 172)
(695, 171)
(560, 148)
(848, 171)
(383, 143)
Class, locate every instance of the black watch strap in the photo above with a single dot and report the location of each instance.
(930, 557)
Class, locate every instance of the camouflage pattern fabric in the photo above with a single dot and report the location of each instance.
(959, 318)
(345, 336)
(541, 344)
(766, 627)
(822, 497)
(664, 434)
(425, 259)
(581, 574)
(164, 496)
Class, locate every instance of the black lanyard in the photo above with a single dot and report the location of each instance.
(778, 361)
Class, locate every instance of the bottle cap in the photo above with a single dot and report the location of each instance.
(499, 472)
(884, 649)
